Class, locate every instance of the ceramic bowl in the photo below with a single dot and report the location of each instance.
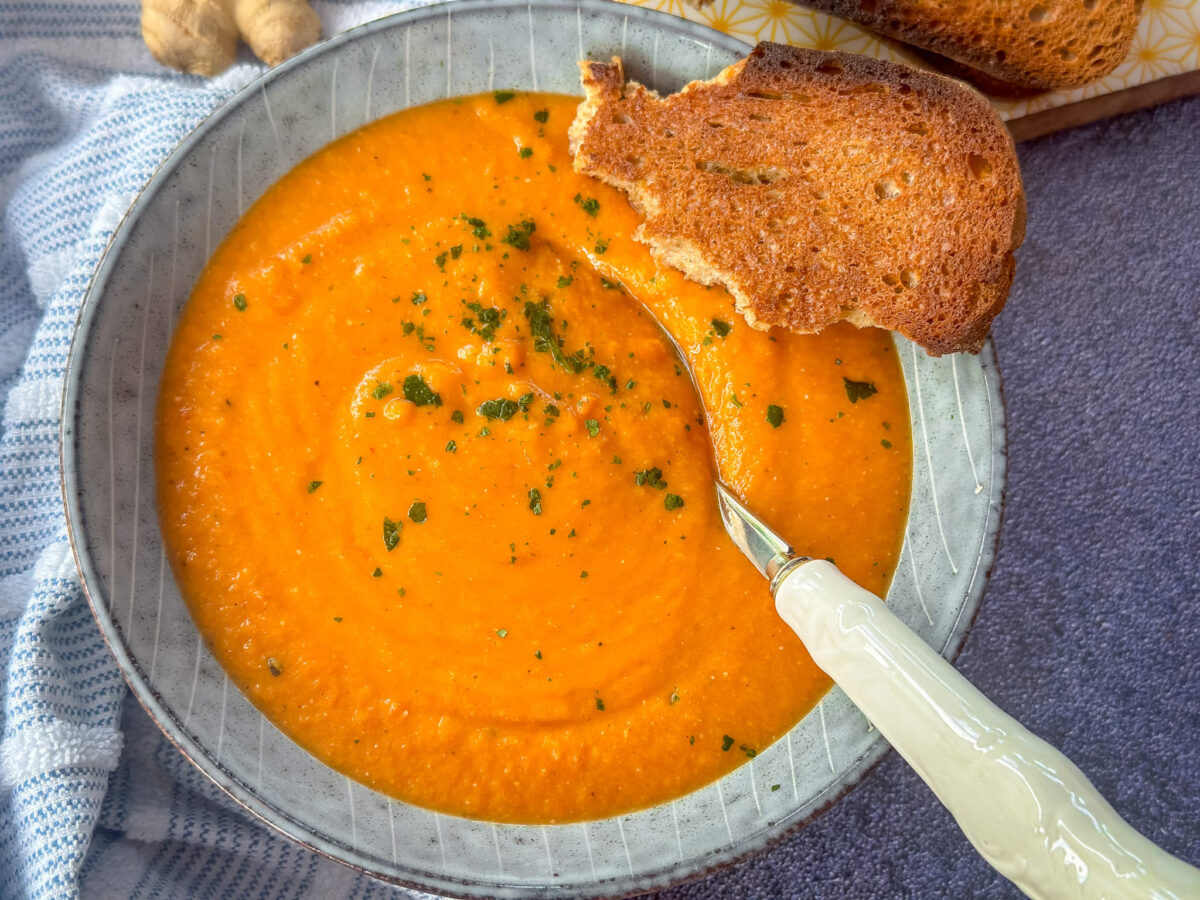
(108, 474)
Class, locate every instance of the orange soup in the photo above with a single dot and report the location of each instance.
(439, 493)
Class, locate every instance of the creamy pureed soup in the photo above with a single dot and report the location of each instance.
(438, 492)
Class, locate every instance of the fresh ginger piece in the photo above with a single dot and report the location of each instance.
(201, 36)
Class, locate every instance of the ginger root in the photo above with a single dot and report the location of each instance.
(201, 36)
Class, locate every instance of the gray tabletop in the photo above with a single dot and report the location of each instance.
(1089, 630)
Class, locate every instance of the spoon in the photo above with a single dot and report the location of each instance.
(1025, 807)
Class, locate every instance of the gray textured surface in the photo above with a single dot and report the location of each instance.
(1090, 628)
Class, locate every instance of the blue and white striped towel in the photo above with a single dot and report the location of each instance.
(85, 117)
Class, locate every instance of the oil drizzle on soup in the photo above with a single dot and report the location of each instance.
(439, 494)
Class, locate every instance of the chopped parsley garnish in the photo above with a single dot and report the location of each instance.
(609, 285)
(726, 743)
(307, 259)
(601, 247)
(440, 260)
(418, 298)
(456, 251)
(886, 444)
(541, 115)
(537, 653)
(749, 751)
(457, 416)
(593, 427)
(651, 477)
(501, 632)
(775, 787)
(774, 415)
(416, 512)
(541, 325)
(673, 501)
(378, 573)
(525, 152)
(674, 697)
(239, 301)
(313, 485)
(604, 373)
(503, 96)
(418, 393)
(589, 205)
(478, 227)
(381, 390)
(535, 501)
(485, 321)
(599, 703)
(451, 447)
(518, 235)
(859, 390)
(501, 408)
(391, 533)
(565, 280)
(721, 328)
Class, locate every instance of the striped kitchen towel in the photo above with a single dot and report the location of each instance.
(93, 800)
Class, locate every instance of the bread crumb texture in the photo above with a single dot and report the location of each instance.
(1044, 44)
(818, 187)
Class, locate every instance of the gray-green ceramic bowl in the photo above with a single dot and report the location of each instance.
(108, 474)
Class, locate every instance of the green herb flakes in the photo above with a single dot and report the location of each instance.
(525, 152)
(775, 787)
(721, 328)
(478, 227)
(518, 235)
(886, 444)
(378, 573)
(726, 743)
(651, 478)
(542, 115)
(313, 485)
(416, 512)
(501, 408)
(501, 632)
(859, 390)
(307, 259)
(381, 390)
(774, 415)
(418, 298)
(749, 751)
(391, 533)
(274, 667)
(419, 393)
(239, 301)
(535, 501)
(599, 703)
(503, 96)
(565, 281)
(451, 447)
(593, 427)
(457, 416)
(589, 205)
(673, 502)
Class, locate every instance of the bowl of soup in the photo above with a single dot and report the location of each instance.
(388, 455)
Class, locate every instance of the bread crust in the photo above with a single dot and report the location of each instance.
(819, 187)
(1042, 44)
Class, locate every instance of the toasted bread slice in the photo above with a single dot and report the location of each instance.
(1045, 44)
(818, 187)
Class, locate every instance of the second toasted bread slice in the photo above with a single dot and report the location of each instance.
(818, 187)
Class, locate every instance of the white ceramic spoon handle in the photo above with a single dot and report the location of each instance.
(1027, 809)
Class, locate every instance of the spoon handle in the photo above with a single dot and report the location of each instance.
(1027, 809)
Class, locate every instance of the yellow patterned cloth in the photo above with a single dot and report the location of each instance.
(1167, 41)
